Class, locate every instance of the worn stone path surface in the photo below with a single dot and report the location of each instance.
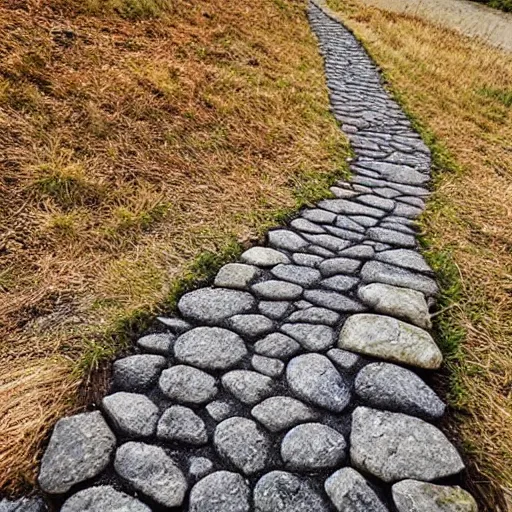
(295, 383)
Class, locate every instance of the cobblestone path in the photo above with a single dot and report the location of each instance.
(295, 383)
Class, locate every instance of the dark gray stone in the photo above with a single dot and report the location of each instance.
(182, 424)
(23, 505)
(312, 377)
(132, 414)
(152, 472)
(243, 444)
(211, 348)
(274, 309)
(80, 448)
(391, 237)
(137, 373)
(277, 345)
(221, 491)
(350, 208)
(339, 266)
(297, 274)
(188, 385)
(333, 300)
(329, 242)
(267, 365)
(286, 239)
(277, 290)
(312, 337)
(314, 315)
(248, 386)
(212, 305)
(251, 326)
(345, 234)
(264, 257)
(156, 343)
(236, 275)
(345, 222)
(282, 412)
(312, 447)
(344, 360)
(101, 499)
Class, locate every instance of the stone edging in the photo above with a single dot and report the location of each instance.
(288, 386)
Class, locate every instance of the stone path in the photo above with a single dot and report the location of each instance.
(294, 384)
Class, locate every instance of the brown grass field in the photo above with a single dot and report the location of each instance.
(135, 136)
(460, 93)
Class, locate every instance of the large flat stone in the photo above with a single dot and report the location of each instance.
(297, 274)
(182, 424)
(390, 339)
(312, 337)
(406, 258)
(281, 412)
(248, 386)
(277, 290)
(314, 315)
(210, 348)
(188, 385)
(286, 239)
(137, 373)
(252, 326)
(80, 448)
(277, 345)
(333, 300)
(102, 499)
(264, 257)
(236, 275)
(393, 446)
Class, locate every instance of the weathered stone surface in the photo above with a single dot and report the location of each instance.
(339, 266)
(221, 491)
(274, 308)
(243, 444)
(277, 345)
(345, 222)
(286, 239)
(297, 274)
(362, 252)
(333, 300)
(219, 410)
(391, 387)
(329, 242)
(267, 365)
(248, 386)
(414, 496)
(340, 283)
(350, 208)
(313, 378)
(409, 305)
(137, 373)
(176, 325)
(210, 348)
(350, 492)
(390, 339)
(152, 472)
(156, 343)
(344, 360)
(319, 216)
(315, 315)
(101, 499)
(392, 237)
(279, 491)
(312, 446)
(312, 337)
(376, 201)
(306, 226)
(281, 412)
(236, 275)
(306, 260)
(393, 446)
(277, 290)
(251, 325)
(405, 258)
(264, 257)
(35, 504)
(378, 272)
(80, 448)
(397, 173)
(345, 234)
(200, 467)
(182, 424)
(188, 385)
(132, 414)
(213, 305)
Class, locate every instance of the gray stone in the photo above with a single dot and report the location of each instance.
(405, 258)
(397, 173)
(251, 326)
(320, 251)
(393, 446)
(80, 448)
(306, 260)
(211, 348)
(312, 337)
(344, 222)
(264, 257)
(297, 274)
(221, 491)
(312, 446)
(282, 412)
(391, 387)
(313, 378)
(340, 283)
(279, 491)
(414, 496)
(200, 467)
(364, 220)
(333, 300)
(315, 315)
(156, 343)
(274, 308)
(277, 345)
(306, 226)
(318, 215)
(404, 303)
(392, 237)
(182, 424)
(101, 499)
(248, 386)
(390, 339)
(213, 305)
(267, 365)
(137, 373)
(176, 325)
(405, 189)
(302, 304)
(339, 266)
(377, 202)
(132, 414)
(405, 210)
(329, 242)
(344, 360)
(350, 208)
(285, 239)
(152, 472)
(350, 492)
(343, 193)
(243, 444)
(362, 252)
(277, 290)
(23, 505)
(219, 410)
(236, 275)
(376, 271)
(187, 384)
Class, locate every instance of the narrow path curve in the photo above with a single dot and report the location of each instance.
(295, 382)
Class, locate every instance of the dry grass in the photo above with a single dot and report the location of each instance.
(135, 135)
(461, 92)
